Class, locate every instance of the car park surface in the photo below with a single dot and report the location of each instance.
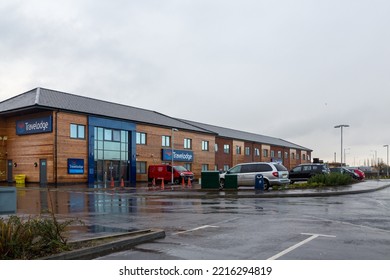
(229, 224)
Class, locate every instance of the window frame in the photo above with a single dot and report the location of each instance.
(77, 128)
(141, 138)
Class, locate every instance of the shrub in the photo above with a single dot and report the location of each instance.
(332, 179)
(31, 238)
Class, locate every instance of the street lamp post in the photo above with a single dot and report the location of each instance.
(341, 126)
(173, 135)
(387, 163)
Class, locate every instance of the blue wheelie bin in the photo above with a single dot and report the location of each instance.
(259, 182)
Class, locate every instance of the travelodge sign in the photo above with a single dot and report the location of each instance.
(33, 126)
(178, 155)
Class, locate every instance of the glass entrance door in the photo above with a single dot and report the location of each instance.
(111, 155)
(107, 169)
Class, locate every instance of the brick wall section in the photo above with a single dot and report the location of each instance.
(71, 148)
(151, 152)
(25, 150)
(222, 158)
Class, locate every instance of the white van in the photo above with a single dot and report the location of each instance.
(274, 174)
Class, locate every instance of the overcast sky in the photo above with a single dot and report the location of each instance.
(287, 69)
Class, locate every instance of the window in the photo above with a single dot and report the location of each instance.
(141, 167)
(77, 131)
(247, 151)
(265, 153)
(112, 135)
(141, 138)
(188, 166)
(225, 167)
(226, 149)
(116, 135)
(298, 156)
(216, 147)
(262, 167)
(306, 168)
(166, 141)
(205, 167)
(272, 153)
(279, 154)
(235, 170)
(257, 152)
(205, 145)
(286, 155)
(303, 157)
(238, 150)
(292, 155)
(108, 135)
(187, 143)
(297, 169)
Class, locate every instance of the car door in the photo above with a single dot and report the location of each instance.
(245, 178)
(295, 173)
(306, 172)
(236, 170)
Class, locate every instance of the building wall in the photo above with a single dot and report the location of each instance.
(25, 150)
(70, 148)
(237, 156)
(222, 158)
(3, 149)
(151, 152)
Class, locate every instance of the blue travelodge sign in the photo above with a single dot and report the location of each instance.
(33, 126)
(75, 166)
(178, 155)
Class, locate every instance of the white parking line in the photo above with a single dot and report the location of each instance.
(312, 236)
(194, 229)
(206, 226)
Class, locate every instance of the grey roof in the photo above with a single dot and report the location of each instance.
(52, 99)
(46, 98)
(246, 136)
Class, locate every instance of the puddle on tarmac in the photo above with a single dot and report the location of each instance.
(98, 229)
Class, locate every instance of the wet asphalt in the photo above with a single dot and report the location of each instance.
(107, 211)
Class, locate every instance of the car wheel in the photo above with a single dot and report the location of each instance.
(266, 185)
(221, 184)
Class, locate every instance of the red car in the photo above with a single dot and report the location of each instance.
(359, 173)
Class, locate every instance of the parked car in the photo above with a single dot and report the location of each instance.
(303, 172)
(361, 175)
(164, 172)
(274, 174)
(344, 170)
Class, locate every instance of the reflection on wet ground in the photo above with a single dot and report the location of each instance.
(109, 209)
(90, 199)
(102, 211)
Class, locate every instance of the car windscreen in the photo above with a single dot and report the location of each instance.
(180, 168)
(280, 167)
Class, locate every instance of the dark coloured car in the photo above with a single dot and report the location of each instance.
(344, 170)
(304, 172)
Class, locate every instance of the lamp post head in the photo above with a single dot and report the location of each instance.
(341, 125)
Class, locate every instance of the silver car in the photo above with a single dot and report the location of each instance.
(274, 174)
